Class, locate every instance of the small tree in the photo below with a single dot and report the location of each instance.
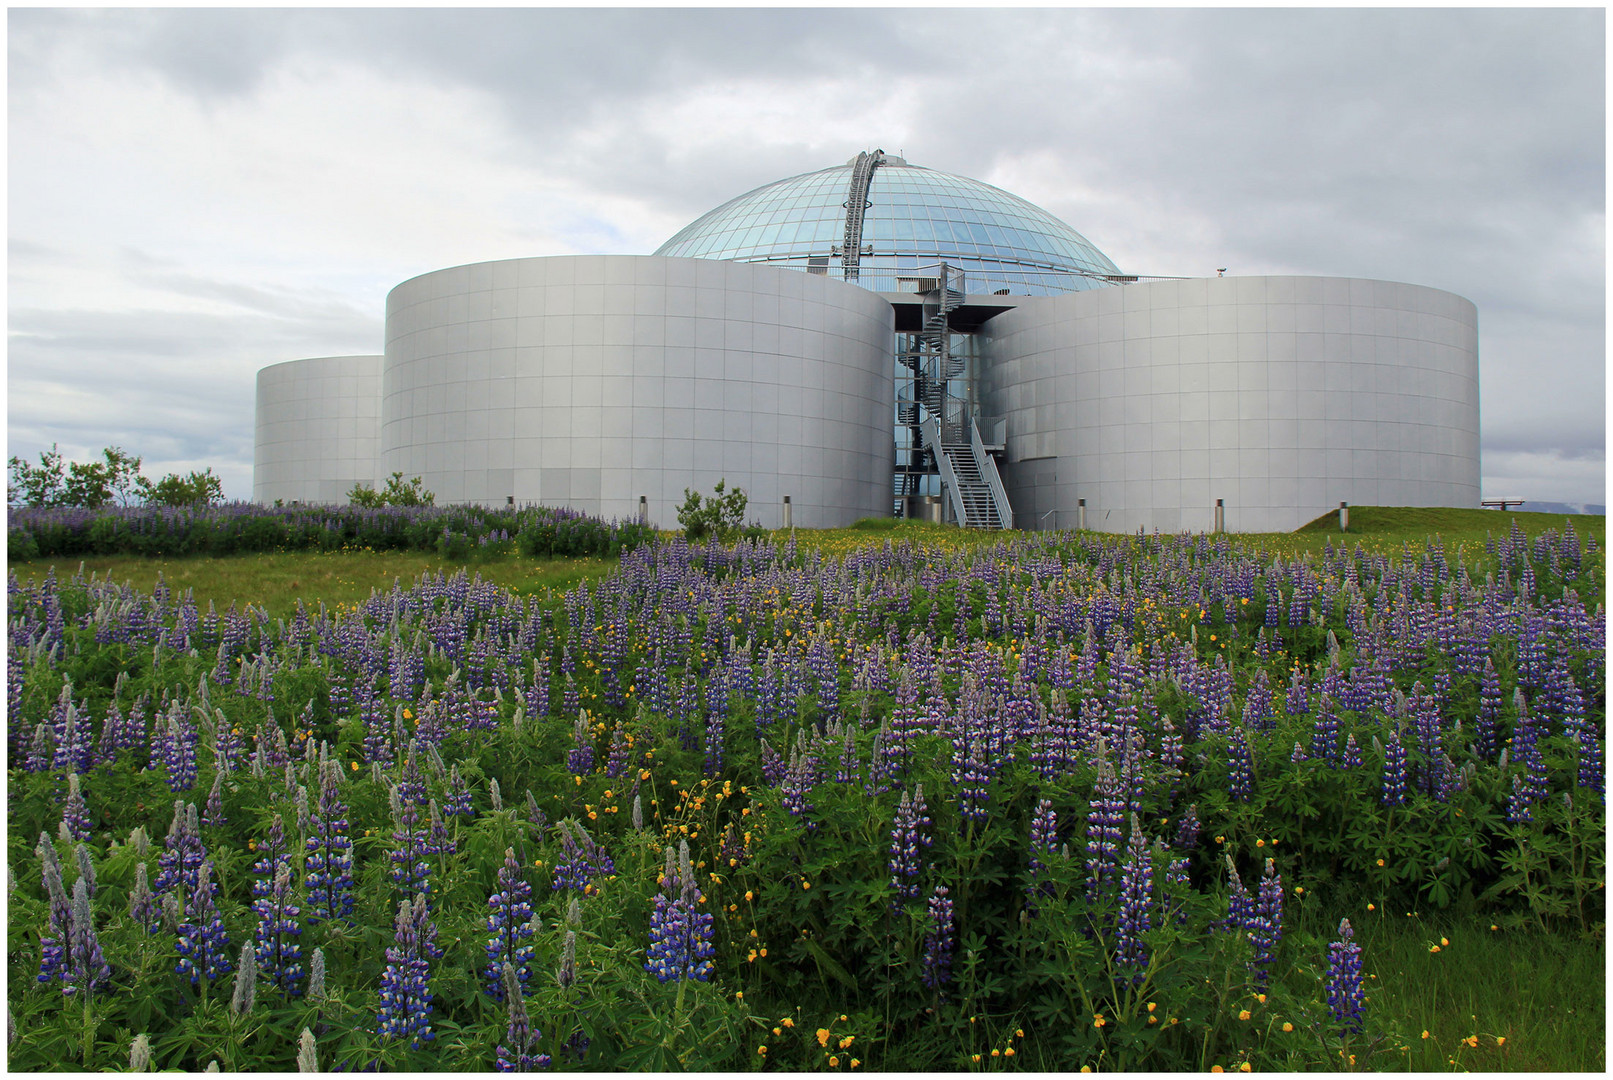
(197, 489)
(55, 482)
(720, 516)
(37, 485)
(396, 493)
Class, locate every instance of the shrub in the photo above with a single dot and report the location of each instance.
(719, 516)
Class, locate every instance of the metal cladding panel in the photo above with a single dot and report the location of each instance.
(644, 375)
(1281, 396)
(316, 429)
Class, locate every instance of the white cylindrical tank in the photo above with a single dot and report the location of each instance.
(590, 381)
(1282, 396)
(317, 429)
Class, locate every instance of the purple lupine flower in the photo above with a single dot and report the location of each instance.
(1107, 809)
(1177, 881)
(213, 813)
(1240, 908)
(581, 757)
(272, 855)
(1489, 716)
(405, 1010)
(39, 750)
(617, 757)
(1044, 841)
(1240, 778)
(142, 906)
(799, 780)
(458, 803)
(911, 832)
(1352, 752)
(329, 858)
(1136, 882)
(1266, 923)
(204, 947)
(582, 859)
(1187, 830)
(1394, 769)
(75, 815)
(1529, 786)
(716, 722)
(936, 965)
(516, 1052)
(1325, 731)
(412, 784)
(971, 776)
(411, 870)
(179, 865)
(680, 936)
(509, 918)
(848, 766)
(86, 967)
(277, 953)
(179, 748)
(566, 973)
(1346, 995)
(1590, 758)
(774, 768)
(54, 960)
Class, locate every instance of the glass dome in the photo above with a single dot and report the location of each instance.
(915, 217)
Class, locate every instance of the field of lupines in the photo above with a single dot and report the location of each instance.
(1063, 802)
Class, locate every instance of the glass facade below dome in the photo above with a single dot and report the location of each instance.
(915, 217)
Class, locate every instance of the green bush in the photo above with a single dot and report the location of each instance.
(720, 516)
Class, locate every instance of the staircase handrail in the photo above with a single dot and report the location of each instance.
(931, 427)
(988, 469)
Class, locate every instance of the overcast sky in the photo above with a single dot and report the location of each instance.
(197, 194)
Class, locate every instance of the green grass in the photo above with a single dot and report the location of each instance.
(1416, 522)
(278, 580)
(1543, 993)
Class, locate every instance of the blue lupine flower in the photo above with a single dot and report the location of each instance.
(458, 803)
(515, 1053)
(86, 967)
(1265, 924)
(1394, 770)
(278, 954)
(509, 918)
(54, 961)
(799, 779)
(582, 860)
(329, 858)
(75, 816)
(1044, 840)
(1241, 778)
(405, 1010)
(935, 967)
(1346, 995)
(1136, 881)
(680, 935)
(1107, 808)
(911, 832)
(204, 947)
(581, 758)
(180, 863)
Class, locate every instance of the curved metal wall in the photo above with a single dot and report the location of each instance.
(588, 381)
(1282, 396)
(317, 428)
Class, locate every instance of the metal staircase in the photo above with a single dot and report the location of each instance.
(969, 476)
(857, 204)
